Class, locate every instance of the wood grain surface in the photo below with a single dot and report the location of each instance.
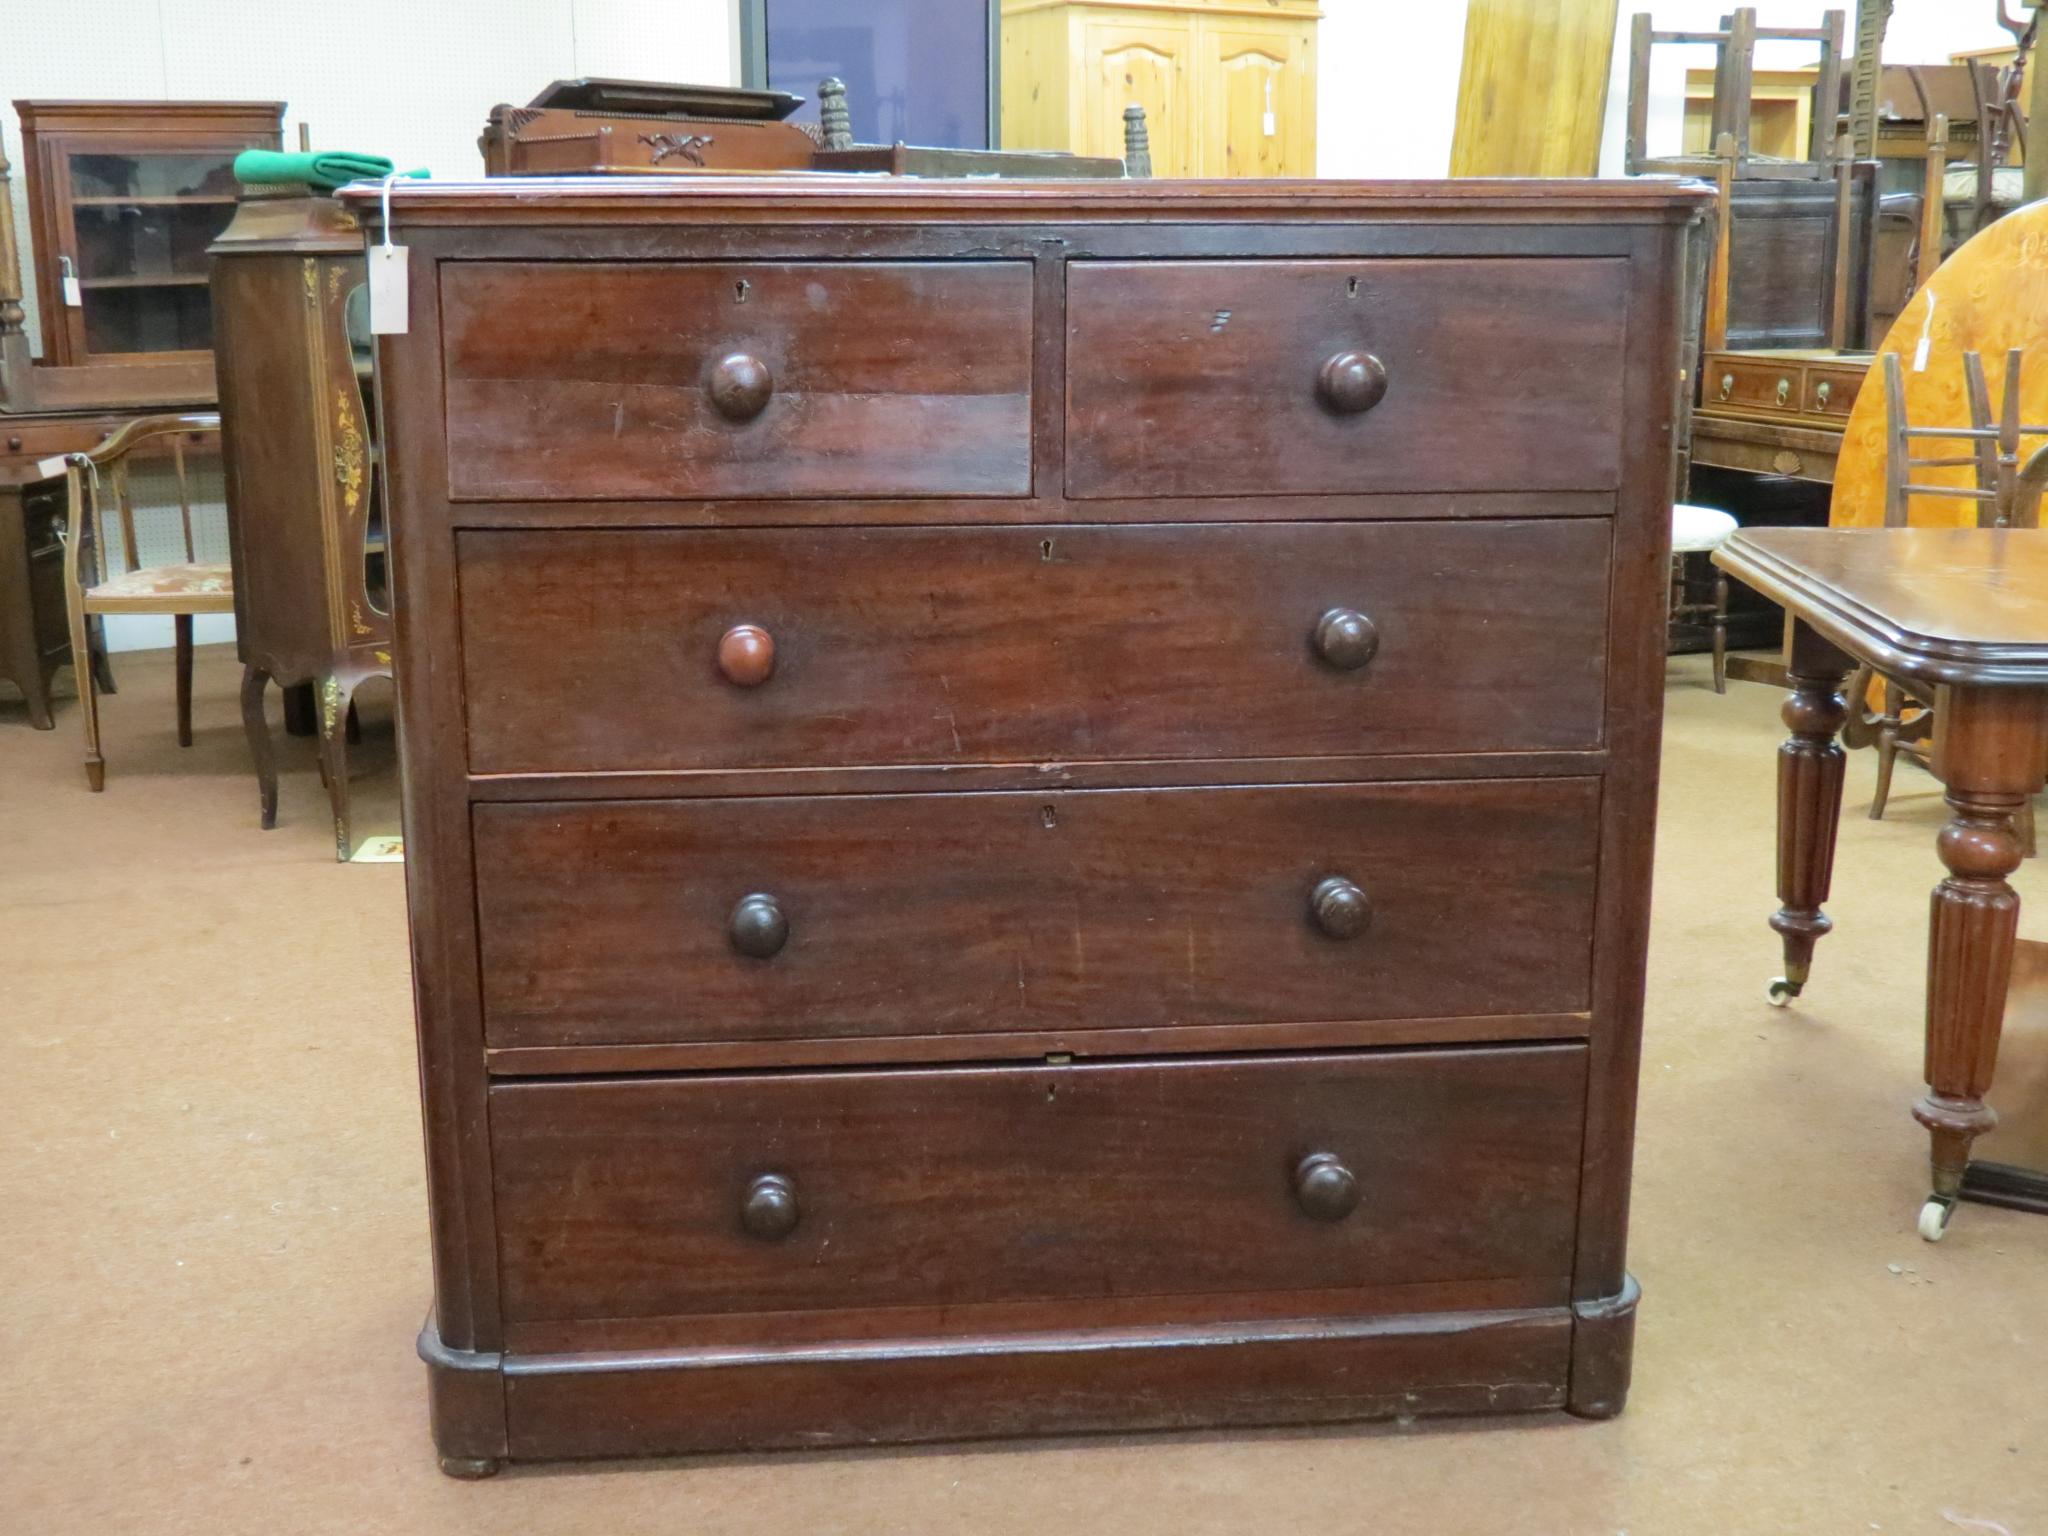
(598, 651)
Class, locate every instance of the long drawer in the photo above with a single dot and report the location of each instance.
(1205, 378)
(650, 1197)
(850, 916)
(592, 381)
(620, 649)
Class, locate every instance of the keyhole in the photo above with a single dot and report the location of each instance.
(1351, 287)
(739, 291)
(1047, 817)
(1045, 549)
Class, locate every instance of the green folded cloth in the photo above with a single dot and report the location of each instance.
(267, 167)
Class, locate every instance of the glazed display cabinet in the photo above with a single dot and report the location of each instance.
(124, 198)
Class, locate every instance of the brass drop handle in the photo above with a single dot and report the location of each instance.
(1784, 391)
(746, 655)
(1351, 382)
(1339, 908)
(1820, 395)
(1324, 1188)
(770, 1211)
(1346, 639)
(1727, 385)
(739, 386)
(758, 927)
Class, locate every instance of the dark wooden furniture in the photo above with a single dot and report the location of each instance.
(2007, 492)
(1790, 294)
(304, 493)
(1962, 615)
(1034, 814)
(124, 198)
(97, 584)
(679, 130)
(35, 626)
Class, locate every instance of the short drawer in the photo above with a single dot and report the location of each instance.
(862, 915)
(1753, 385)
(609, 650)
(652, 1197)
(1832, 391)
(591, 380)
(1201, 378)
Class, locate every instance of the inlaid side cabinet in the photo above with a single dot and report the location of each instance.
(304, 495)
(1033, 812)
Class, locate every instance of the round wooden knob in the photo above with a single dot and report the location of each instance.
(740, 386)
(1352, 382)
(1339, 908)
(758, 928)
(746, 655)
(1346, 639)
(770, 1210)
(1324, 1187)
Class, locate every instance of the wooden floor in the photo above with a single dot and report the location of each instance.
(215, 1251)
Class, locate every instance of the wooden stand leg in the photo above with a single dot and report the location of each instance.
(182, 624)
(257, 729)
(334, 708)
(1809, 809)
(1987, 751)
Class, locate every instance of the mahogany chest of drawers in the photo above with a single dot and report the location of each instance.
(1028, 806)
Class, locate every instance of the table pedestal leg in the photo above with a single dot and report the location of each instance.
(1809, 809)
(1987, 753)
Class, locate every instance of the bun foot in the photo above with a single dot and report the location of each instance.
(470, 1468)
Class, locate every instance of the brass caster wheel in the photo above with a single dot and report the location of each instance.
(1934, 1217)
(1780, 991)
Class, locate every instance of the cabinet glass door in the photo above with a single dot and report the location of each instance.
(142, 223)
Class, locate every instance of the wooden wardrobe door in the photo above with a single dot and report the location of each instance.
(1258, 111)
(1151, 63)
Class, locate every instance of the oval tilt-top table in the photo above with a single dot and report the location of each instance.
(1963, 614)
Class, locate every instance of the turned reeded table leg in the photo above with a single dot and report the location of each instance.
(1988, 754)
(1809, 805)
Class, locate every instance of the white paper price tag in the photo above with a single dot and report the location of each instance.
(1926, 337)
(74, 295)
(51, 468)
(388, 290)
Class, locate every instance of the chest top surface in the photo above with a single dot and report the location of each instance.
(846, 199)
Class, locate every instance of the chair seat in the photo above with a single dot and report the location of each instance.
(1695, 530)
(165, 589)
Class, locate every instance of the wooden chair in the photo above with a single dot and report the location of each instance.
(92, 586)
(2008, 495)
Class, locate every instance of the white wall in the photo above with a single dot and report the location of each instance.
(410, 79)
(1387, 85)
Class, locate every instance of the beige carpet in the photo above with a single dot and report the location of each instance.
(214, 1253)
